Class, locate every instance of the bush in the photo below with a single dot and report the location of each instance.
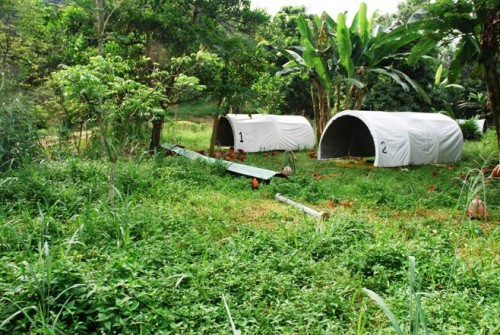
(470, 130)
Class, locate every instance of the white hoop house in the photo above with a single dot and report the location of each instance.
(392, 138)
(265, 132)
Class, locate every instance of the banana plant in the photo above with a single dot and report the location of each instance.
(341, 60)
(373, 50)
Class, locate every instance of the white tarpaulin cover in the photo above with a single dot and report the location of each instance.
(393, 138)
(265, 132)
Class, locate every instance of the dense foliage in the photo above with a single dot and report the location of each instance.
(226, 52)
(184, 236)
(100, 233)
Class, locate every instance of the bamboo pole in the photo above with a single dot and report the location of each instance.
(305, 209)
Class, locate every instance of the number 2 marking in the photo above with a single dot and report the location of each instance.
(241, 137)
(384, 147)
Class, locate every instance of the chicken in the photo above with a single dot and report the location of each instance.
(255, 183)
(312, 154)
(346, 203)
(477, 209)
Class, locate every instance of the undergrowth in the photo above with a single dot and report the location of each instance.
(190, 249)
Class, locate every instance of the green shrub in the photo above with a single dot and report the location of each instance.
(470, 130)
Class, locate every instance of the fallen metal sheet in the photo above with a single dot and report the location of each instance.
(242, 169)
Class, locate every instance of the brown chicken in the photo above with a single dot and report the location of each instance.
(496, 172)
(346, 203)
(477, 209)
(255, 183)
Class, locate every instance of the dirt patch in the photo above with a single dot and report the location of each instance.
(269, 214)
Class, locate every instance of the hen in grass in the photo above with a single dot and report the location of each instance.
(255, 183)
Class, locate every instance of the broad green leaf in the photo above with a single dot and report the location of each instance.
(318, 22)
(402, 32)
(296, 57)
(309, 53)
(387, 72)
(426, 44)
(460, 87)
(287, 70)
(390, 46)
(363, 23)
(439, 72)
(415, 86)
(304, 29)
(356, 83)
(467, 50)
(344, 45)
(320, 69)
(375, 297)
(354, 23)
(332, 25)
(313, 60)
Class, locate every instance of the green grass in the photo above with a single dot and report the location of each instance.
(187, 247)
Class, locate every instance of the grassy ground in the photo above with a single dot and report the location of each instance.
(184, 237)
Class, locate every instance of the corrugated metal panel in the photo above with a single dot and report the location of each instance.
(242, 169)
(251, 171)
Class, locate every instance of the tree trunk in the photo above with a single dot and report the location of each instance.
(321, 106)
(315, 112)
(156, 135)
(99, 4)
(493, 85)
(211, 150)
(489, 44)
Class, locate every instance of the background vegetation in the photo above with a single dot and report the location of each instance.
(101, 232)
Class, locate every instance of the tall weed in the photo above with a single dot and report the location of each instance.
(416, 317)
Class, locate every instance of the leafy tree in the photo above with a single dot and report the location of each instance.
(475, 24)
(169, 30)
(285, 21)
(270, 93)
(113, 100)
(23, 39)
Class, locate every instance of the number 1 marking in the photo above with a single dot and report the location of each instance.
(241, 136)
